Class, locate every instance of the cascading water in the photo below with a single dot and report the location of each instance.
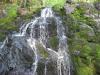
(37, 31)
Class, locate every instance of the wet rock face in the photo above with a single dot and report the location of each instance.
(51, 68)
(47, 68)
(21, 72)
(18, 57)
(17, 54)
(43, 69)
(3, 69)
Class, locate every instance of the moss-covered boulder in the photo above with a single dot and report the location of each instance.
(86, 32)
(82, 39)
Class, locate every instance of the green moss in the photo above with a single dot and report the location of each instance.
(85, 35)
(89, 21)
(78, 19)
(78, 14)
(54, 3)
(54, 42)
(98, 51)
(11, 10)
(85, 70)
(42, 51)
(2, 36)
(97, 37)
(82, 68)
(97, 58)
(5, 20)
(6, 24)
(83, 62)
(82, 34)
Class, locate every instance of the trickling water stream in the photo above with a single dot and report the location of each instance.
(37, 31)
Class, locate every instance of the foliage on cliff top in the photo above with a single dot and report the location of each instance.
(54, 3)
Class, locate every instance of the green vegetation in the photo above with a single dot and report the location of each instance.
(54, 3)
(85, 70)
(6, 23)
(78, 14)
(84, 43)
(11, 10)
(42, 51)
(54, 42)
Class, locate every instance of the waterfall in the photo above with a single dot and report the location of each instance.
(36, 32)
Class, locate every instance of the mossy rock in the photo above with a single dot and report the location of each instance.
(81, 68)
(42, 51)
(6, 25)
(2, 36)
(79, 15)
(54, 42)
(40, 68)
(82, 39)
(84, 58)
(85, 70)
(86, 32)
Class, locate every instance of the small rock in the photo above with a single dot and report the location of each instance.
(69, 9)
(22, 11)
(76, 53)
